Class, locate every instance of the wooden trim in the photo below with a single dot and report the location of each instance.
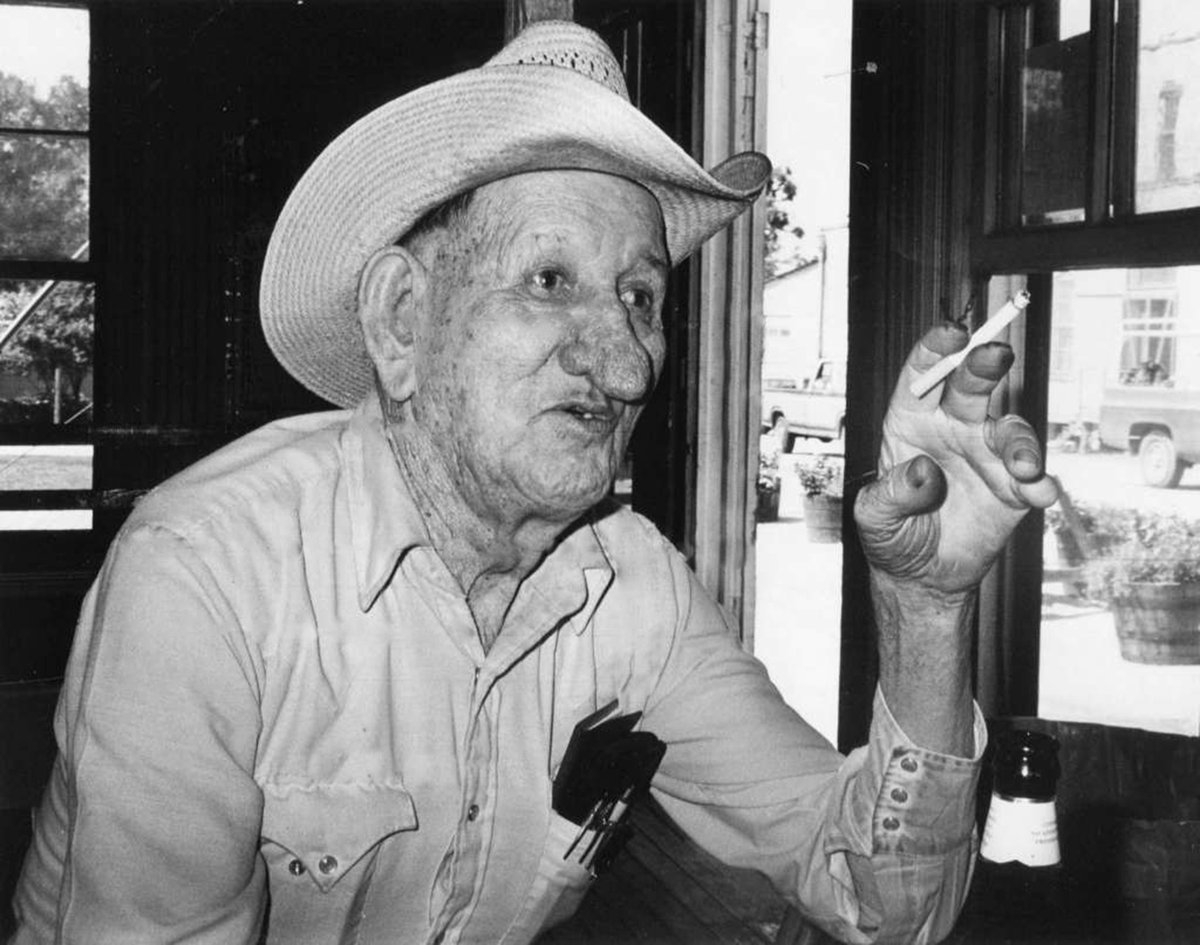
(729, 307)
(1015, 38)
(26, 499)
(1101, 85)
(755, 326)
(30, 132)
(988, 144)
(27, 584)
(1009, 638)
(1124, 134)
(1163, 239)
(1023, 556)
(62, 270)
(911, 202)
(38, 434)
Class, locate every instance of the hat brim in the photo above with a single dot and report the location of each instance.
(377, 178)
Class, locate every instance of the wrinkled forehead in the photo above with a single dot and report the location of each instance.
(614, 213)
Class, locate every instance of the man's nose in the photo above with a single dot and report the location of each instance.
(605, 347)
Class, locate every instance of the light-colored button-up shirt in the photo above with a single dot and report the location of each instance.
(278, 710)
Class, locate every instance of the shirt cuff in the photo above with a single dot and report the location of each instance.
(925, 804)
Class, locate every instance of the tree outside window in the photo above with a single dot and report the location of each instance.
(47, 297)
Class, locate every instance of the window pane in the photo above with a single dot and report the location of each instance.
(1168, 116)
(46, 352)
(46, 467)
(44, 214)
(1124, 415)
(43, 68)
(37, 520)
(1055, 107)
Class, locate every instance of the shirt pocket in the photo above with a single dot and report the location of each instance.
(323, 831)
(558, 887)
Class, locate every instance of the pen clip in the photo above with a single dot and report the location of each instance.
(587, 825)
(603, 821)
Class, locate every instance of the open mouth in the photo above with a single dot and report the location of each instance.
(596, 418)
(585, 414)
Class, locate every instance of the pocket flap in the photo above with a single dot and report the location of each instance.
(330, 827)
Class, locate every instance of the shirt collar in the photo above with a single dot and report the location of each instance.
(385, 522)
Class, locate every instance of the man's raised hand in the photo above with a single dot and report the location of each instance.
(952, 482)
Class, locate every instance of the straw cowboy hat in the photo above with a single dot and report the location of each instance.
(553, 98)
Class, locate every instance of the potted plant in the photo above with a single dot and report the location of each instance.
(821, 482)
(768, 486)
(1151, 582)
(1081, 530)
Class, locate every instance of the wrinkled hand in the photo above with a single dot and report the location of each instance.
(953, 483)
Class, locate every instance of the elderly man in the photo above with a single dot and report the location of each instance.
(325, 679)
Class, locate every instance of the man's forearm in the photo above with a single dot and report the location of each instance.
(925, 662)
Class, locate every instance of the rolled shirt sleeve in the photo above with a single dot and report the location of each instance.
(874, 847)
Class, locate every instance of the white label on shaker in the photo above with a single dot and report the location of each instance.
(1021, 829)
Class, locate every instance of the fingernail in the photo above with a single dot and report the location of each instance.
(1026, 455)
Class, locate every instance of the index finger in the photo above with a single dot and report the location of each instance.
(935, 344)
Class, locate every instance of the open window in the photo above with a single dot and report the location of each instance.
(1045, 144)
(1094, 201)
(47, 289)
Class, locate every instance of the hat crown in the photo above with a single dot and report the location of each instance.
(566, 45)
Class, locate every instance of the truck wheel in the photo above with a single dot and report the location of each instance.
(1160, 464)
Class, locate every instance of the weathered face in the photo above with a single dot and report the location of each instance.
(542, 340)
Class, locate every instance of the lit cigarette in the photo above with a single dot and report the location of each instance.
(985, 333)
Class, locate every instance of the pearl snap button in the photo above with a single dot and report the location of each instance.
(909, 764)
(899, 795)
(296, 868)
(891, 823)
(328, 864)
(472, 812)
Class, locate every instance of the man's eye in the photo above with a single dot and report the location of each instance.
(547, 281)
(638, 300)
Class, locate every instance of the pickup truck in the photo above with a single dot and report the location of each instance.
(1158, 423)
(808, 406)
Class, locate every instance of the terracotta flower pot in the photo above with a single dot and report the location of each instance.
(767, 509)
(823, 518)
(1159, 623)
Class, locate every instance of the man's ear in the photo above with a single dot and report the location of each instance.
(390, 293)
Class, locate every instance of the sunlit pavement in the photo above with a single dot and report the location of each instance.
(1083, 675)
(798, 609)
(1114, 479)
(1084, 678)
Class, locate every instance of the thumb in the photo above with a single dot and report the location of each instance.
(890, 514)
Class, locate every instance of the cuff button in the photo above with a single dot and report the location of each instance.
(296, 868)
(328, 864)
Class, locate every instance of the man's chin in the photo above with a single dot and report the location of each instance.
(571, 509)
(567, 504)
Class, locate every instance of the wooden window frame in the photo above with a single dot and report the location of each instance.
(927, 236)
(62, 270)
(1112, 235)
